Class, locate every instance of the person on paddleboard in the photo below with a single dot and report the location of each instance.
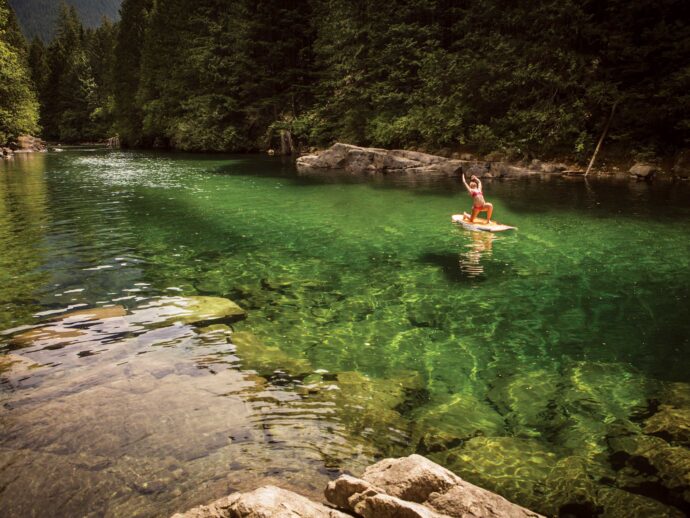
(479, 204)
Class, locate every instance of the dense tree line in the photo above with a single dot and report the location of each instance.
(18, 104)
(74, 79)
(38, 18)
(520, 78)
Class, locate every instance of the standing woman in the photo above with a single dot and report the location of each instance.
(478, 202)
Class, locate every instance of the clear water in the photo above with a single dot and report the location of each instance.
(375, 327)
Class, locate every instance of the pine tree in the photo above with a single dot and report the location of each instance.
(18, 104)
(100, 49)
(127, 75)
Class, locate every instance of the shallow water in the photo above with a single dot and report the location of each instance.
(375, 327)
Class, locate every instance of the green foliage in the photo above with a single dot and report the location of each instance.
(492, 75)
(18, 104)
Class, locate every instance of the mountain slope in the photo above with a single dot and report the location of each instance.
(37, 17)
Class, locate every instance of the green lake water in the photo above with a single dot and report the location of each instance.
(537, 363)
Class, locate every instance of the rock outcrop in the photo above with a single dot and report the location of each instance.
(355, 159)
(415, 486)
(410, 487)
(264, 502)
(28, 144)
(645, 171)
(23, 144)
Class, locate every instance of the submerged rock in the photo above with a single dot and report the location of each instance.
(529, 400)
(91, 314)
(15, 364)
(455, 418)
(266, 359)
(615, 503)
(196, 310)
(367, 406)
(508, 465)
(96, 325)
(645, 463)
(670, 423)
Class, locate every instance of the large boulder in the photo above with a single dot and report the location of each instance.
(646, 171)
(28, 144)
(355, 159)
(264, 502)
(415, 486)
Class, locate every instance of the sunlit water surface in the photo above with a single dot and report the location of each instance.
(522, 361)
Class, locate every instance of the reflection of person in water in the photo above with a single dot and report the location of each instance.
(470, 261)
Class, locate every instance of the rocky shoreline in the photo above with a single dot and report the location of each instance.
(23, 144)
(413, 487)
(362, 160)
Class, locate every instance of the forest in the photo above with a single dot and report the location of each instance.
(519, 79)
(38, 17)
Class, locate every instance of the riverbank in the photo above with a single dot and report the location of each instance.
(362, 160)
(23, 144)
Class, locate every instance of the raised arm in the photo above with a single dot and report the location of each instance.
(465, 182)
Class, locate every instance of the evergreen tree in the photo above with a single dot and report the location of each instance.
(127, 75)
(18, 104)
(101, 44)
(492, 75)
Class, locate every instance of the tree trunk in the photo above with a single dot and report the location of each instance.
(287, 146)
(601, 139)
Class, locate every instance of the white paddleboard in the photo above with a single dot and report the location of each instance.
(479, 223)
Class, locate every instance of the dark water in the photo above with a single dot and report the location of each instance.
(530, 362)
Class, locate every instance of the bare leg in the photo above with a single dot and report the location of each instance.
(489, 211)
(475, 213)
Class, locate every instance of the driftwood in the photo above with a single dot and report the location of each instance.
(601, 139)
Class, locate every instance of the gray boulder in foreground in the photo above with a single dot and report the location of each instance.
(409, 487)
(417, 487)
(264, 502)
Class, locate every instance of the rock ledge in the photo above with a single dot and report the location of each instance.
(409, 487)
(355, 159)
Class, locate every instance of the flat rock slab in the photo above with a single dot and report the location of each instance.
(357, 160)
(264, 502)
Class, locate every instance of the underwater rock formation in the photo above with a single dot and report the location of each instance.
(95, 325)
